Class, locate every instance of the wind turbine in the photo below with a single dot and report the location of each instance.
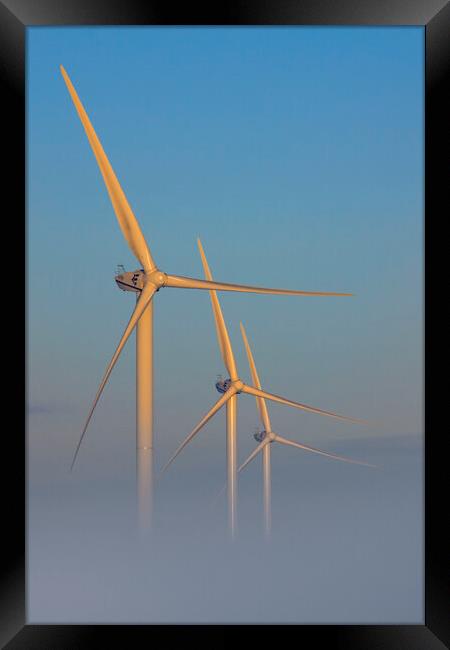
(267, 436)
(230, 389)
(145, 282)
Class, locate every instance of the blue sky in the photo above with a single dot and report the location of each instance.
(296, 154)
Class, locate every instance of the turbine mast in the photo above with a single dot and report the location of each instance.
(144, 417)
(232, 465)
(267, 487)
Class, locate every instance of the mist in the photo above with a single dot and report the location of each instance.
(346, 544)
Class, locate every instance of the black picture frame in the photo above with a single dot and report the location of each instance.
(15, 17)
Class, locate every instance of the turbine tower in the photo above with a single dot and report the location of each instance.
(267, 436)
(145, 282)
(230, 389)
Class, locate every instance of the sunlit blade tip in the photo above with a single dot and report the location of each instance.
(127, 221)
(254, 453)
(183, 282)
(200, 248)
(218, 495)
(218, 405)
(144, 300)
(260, 402)
(345, 459)
(222, 332)
(251, 390)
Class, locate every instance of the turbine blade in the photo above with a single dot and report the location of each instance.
(219, 494)
(218, 405)
(251, 390)
(144, 299)
(127, 221)
(250, 458)
(260, 401)
(254, 453)
(182, 282)
(222, 332)
(285, 441)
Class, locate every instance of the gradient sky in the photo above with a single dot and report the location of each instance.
(296, 154)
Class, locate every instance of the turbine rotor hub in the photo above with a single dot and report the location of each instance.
(238, 385)
(158, 278)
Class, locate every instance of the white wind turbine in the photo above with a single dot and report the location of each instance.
(145, 282)
(230, 389)
(267, 436)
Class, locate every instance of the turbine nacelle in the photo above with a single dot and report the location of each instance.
(264, 435)
(259, 436)
(224, 385)
(131, 280)
(136, 280)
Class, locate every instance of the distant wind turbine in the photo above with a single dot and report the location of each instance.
(267, 436)
(230, 389)
(145, 282)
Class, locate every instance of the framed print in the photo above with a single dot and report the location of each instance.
(247, 439)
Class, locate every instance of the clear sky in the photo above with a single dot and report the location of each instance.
(296, 154)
